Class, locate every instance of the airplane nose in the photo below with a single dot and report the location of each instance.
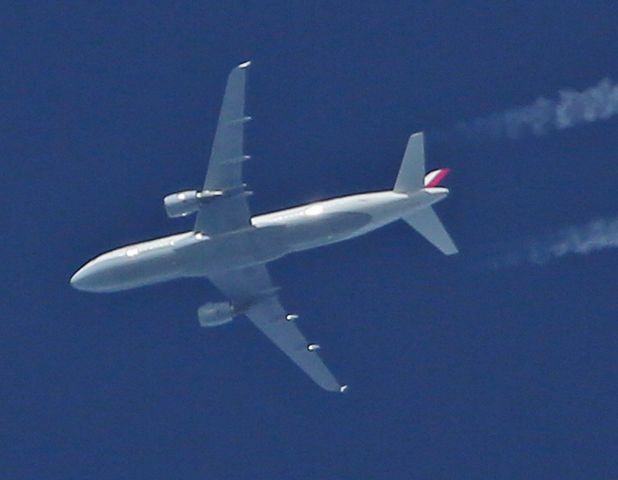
(87, 278)
(79, 280)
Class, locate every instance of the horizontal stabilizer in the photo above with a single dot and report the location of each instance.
(427, 223)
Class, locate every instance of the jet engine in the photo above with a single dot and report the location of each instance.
(181, 204)
(215, 314)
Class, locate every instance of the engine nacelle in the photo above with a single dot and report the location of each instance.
(215, 314)
(181, 204)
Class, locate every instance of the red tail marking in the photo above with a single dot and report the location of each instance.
(438, 178)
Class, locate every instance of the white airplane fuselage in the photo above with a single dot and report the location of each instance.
(274, 235)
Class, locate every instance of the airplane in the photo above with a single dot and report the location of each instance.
(231, 248)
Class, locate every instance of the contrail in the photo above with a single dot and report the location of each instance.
(578, 240)
(543, 116)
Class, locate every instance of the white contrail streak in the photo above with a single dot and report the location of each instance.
(572, 108)
(578, 240)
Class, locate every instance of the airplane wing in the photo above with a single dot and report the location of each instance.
(253, 286)
(230, 211)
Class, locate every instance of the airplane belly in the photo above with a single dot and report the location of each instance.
(203, 255)
(311, 232)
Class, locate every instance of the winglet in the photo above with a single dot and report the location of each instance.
(245, 64)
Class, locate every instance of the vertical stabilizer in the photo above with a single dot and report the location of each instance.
(411, 175)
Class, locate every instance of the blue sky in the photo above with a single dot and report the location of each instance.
(456, 370)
